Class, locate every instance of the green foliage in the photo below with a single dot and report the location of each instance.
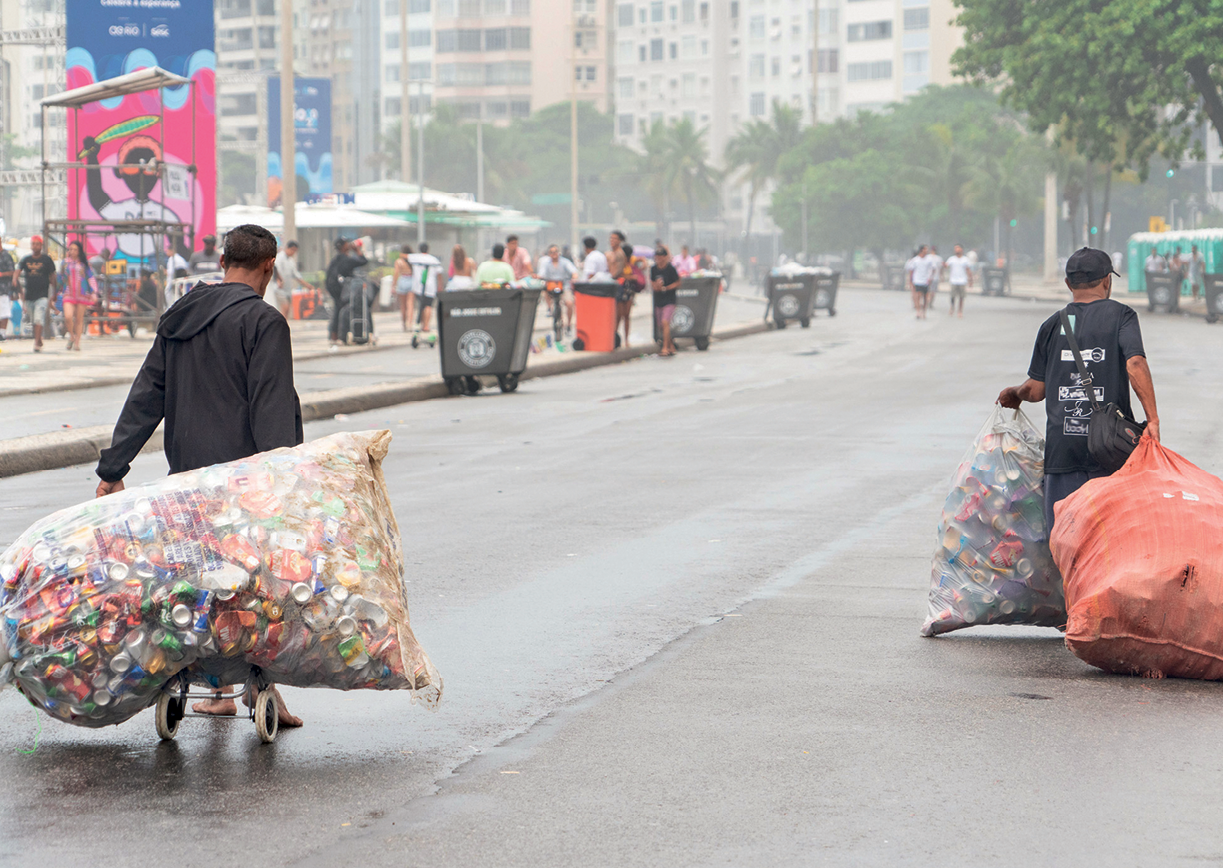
(756, 150)
(675, 166)
(939, 167)
(238, 179)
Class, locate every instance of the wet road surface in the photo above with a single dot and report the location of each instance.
(676, 606)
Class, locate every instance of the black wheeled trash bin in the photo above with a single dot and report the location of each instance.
(995, 281)
(826, 292)
(791, 297)
(485, 332)
(696, 303)
(1214, 297)
(893, 277)
(1163, 290)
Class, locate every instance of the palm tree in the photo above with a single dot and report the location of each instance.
(755, 151)
(676, 162)
(1008, 185)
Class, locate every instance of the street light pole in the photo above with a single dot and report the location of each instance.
(405, 90)
(420, 166)
(573, 142)
(288, 155)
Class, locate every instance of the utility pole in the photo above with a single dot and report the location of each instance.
(288, 143)
(574, 235)
(480, 170)
(1051, 275)
(405, 90)
(420, 166)
(815, 82)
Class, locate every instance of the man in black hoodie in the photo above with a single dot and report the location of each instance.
(342, 265)
(220, 373)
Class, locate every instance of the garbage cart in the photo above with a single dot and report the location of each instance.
(826, 292)
(595, 317)
(791, 297)
(893, 277)
(1214, 297)
(1164, 291)
(696, 302)
(485, 332)
(995, 281)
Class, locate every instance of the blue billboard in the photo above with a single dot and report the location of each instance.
(312, 136)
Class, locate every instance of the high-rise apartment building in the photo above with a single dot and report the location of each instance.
(420, 68)
(504, 59)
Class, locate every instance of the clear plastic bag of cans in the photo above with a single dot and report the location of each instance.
(993, 564)
(289, 561)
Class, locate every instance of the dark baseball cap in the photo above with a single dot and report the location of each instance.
(1088, 265)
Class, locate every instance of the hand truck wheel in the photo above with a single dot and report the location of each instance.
(267, 716)
(169, 713)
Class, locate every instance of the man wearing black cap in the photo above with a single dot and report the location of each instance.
(1111, 343)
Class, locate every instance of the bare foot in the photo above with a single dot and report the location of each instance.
(283, 715)
(218, 707)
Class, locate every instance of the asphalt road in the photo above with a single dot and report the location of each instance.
(676, 605)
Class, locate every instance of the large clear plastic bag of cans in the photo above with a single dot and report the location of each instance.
(289, 561)
(993, 564)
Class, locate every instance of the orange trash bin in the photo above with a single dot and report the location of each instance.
(595, 314)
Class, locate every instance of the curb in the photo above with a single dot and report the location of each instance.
(37, 452)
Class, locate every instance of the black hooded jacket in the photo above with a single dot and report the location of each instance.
(220, 373)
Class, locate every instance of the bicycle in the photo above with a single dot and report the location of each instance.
(556, 301)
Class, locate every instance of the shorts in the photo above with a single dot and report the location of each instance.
(628, 290)
(37, 310)
(664, 313)
(6, 307)
(958, 290)
(404, 286)
(922, 289)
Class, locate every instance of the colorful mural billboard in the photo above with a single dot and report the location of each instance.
(120, 137)
(312, 136)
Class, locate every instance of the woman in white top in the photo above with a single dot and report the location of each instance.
(403, 285)
(461, 270)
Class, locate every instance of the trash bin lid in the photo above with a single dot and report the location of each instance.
(603, 290)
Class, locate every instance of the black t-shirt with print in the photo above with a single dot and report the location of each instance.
(669, 276)
(38, 272)
(1109, 336)
(8, 273)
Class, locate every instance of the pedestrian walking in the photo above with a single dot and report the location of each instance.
(620, 265)
(37, 272)
(594, 263)
(220, 373)
(208, 260)
(462, 269)
(664, 280)
(405, 294)
(80, 292)
(517, 257)
(426, 281)
(1197, 273)
(685, 263)
(959, 276)
(495, 271)
(1155, 264)
(288, 279)
(1107, 331)
(936, 273)
(341, 268)
(920, 273)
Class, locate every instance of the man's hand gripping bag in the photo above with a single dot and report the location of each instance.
(1142, 555)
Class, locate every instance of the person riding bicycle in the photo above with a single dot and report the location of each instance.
(557, 273)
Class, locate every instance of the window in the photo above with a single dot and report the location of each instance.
(641, 50)
(392, 72)
(828, 22)
(496, 39)
(624, 88)
(520, 7)
(420, 38)
(656, 11)
(625, 124)
(688, 89)
(674, 50)
(624, 51)
(734, 85)
(392, 41)
(656, 49)
(520, 39)
(624, 18)
(469, 40)
(494, 7)
(420, 71)
(469, 8)
(446, 40)
(688, 46)
(704, 47)
(592, 73)
(876, 70)
(916, 62)
(755, 27)
(418, 6)
(755, 66)
(734, 8)
(391, 7)
(757, 105)
(917, 19)
(775, 66)
(870, 30)
(828, 60)
(590, 6)
(393, 106)
(496, 109)
(689, 11)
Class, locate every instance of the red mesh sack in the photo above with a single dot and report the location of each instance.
(1142, 559)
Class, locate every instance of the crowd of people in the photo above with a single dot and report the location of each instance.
(1190, 266)
(926, 269)
(419, 277)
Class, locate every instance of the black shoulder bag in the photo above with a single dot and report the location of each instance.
(1112, 436)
